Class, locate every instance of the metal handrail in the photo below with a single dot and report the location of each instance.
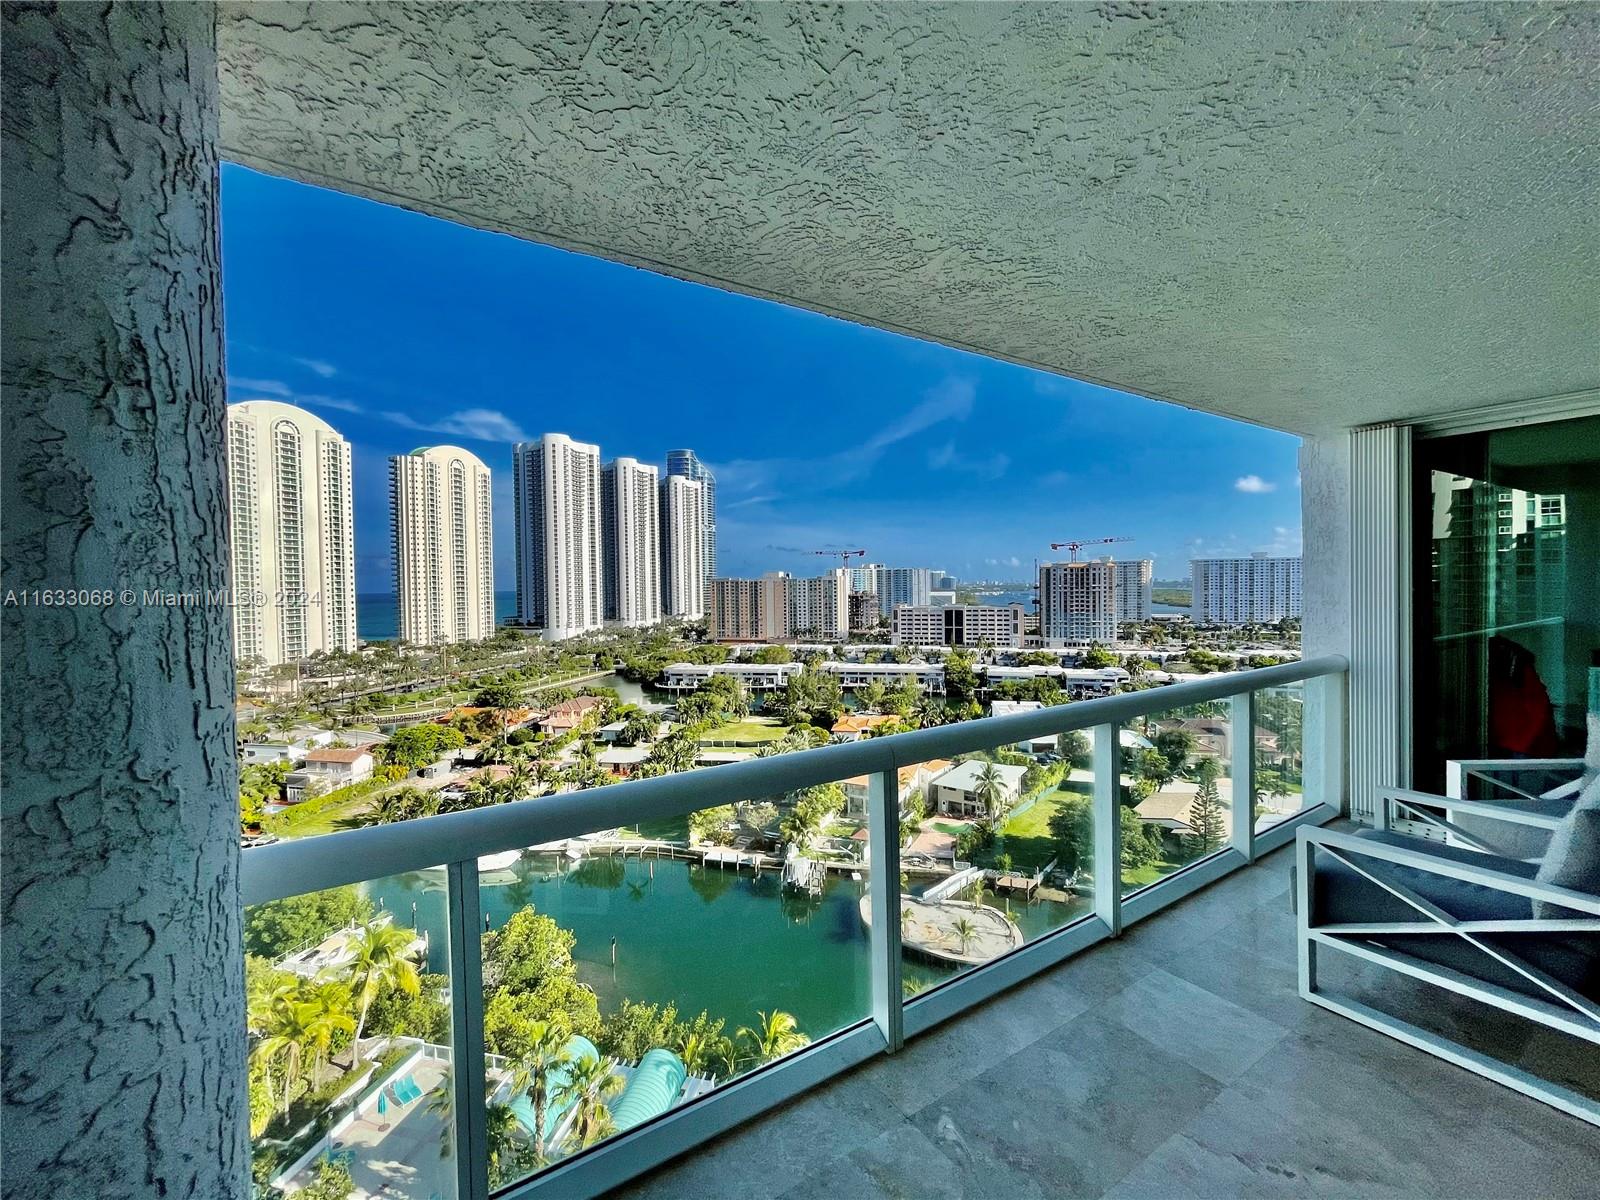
(289, 868)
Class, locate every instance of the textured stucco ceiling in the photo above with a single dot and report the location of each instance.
(1310, 216)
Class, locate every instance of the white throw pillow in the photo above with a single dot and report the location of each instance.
(1573, 859)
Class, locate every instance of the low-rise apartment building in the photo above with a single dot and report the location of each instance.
(1077, 682)
(958, 625)
(756, 677)
(852, 675)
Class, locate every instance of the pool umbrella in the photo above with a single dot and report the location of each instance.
(383, 1108)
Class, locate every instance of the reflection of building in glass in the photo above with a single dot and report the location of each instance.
(1499, 555)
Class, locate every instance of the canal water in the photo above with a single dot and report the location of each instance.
(693, 936)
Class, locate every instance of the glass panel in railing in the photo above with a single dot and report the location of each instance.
(997, 850)
(349, 1020)
(1280, 755)
(634, 970)
(1176, 793)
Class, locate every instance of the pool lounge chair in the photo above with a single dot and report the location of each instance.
(407, 1091)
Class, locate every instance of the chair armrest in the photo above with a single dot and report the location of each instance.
(1487, 875)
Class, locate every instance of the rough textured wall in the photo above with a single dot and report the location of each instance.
(1311, 215)
(123, 983)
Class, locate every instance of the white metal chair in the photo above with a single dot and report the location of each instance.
(1461, 919)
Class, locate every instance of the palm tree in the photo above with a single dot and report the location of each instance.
(775, 1034)
(547, 1052)
(701, 1053)
(327, 1005)
(991, 790)
(591, 1083)
(382, 959)
(966, 931)
(639, 726)
(285, 1033)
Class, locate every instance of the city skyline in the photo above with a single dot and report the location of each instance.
(403, 329)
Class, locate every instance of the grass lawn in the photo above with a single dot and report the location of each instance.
(1147, 875)
(1025, 836)
(751, 729)
(333, 819)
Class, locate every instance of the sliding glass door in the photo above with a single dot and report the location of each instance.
(1506, 593)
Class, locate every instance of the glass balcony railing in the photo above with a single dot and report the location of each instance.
(497, 1001)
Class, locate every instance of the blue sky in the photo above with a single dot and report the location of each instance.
(403, 330)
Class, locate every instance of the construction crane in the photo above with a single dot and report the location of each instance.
(1074, 547)
(844, 556)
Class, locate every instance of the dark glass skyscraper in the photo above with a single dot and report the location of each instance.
(687, 464)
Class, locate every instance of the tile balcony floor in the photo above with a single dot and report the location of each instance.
(1176, 1063)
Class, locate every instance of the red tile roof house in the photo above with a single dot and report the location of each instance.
(569, 714)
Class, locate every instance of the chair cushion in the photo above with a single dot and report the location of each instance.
(1573, 858)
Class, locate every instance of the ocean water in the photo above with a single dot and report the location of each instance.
(377, 620)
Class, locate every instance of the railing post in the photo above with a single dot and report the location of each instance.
(466, 1032)
(1242, 772)
(1106, 808)
(1324, 746)
(883, 891)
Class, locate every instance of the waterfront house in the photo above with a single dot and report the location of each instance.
(576, 713)
(955, 792)
(340, 766)
(856, 788)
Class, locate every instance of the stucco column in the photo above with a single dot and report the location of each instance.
(123, 985)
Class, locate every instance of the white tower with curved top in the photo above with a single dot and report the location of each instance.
(293, 544)
(441, 522)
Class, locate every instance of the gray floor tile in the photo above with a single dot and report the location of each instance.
(1196, 1026)
(899, 1164)
(1069, 1115)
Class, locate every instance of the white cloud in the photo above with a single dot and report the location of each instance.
(319, 366)
(948, 458)
(477, 424)
(949, 400)
(1253, 484)
(266, 387)
(337, 403)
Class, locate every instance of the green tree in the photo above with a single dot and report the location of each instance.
(590, 1085)
(1207, 815)
(990, 788)
(1074, 747)
(333, 1181)
(773, 1035)
(530, 957)
(960, 675)
(965, 930)
(285, 1027)
(636, 1028)
(543, 1055)
(424, 1014)
(496, 695)
(1097, 657)
(380, 958)
(1072, 828)
(1175, 745)
(414, 746)
(711, 825)
(638, 727)
(278, 927)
